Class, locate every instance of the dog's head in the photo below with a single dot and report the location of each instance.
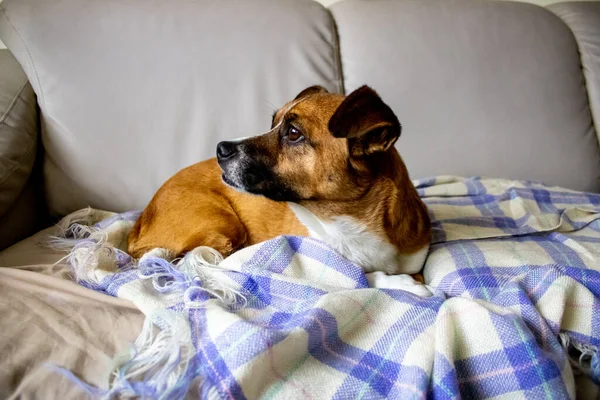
(321, 146)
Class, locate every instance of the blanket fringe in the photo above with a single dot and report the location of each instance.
(202, 264)
(71, 229)
(88, 248)
(158, 364)
(197, 272)
(583, 357)
(88, 251)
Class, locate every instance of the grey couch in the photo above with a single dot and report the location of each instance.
(101, 101)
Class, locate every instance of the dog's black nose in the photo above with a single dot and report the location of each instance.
(226, 150)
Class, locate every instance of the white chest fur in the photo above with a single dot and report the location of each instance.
(352, 240)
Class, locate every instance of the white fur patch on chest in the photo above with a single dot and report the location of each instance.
(352, 240)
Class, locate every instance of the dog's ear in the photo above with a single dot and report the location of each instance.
(311, 90)
(366, 121)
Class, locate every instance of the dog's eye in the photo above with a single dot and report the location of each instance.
(294, 135)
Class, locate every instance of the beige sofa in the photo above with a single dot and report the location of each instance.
(101, 101)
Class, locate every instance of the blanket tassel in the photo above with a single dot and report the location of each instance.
(583, 357)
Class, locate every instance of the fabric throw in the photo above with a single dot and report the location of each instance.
(515, 269)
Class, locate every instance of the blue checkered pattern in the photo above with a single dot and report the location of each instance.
(516, 266)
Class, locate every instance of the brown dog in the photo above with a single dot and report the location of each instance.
(327, 168)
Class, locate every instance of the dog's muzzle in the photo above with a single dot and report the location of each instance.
(245, 169)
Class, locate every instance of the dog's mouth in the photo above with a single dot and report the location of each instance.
(255, 182)
(244, 180)
(231, 182)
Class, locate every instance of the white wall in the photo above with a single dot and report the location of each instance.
(329, 2)
(540, 2)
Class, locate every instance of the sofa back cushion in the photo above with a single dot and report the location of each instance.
(131, 91)
(481, 87)
(19, 131)
(584, 20)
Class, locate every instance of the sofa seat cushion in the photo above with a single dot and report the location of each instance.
(48, 321)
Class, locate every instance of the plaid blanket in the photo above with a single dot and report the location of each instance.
(516, 311)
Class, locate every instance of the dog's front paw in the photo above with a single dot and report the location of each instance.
(403, 282)
(158, 252)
